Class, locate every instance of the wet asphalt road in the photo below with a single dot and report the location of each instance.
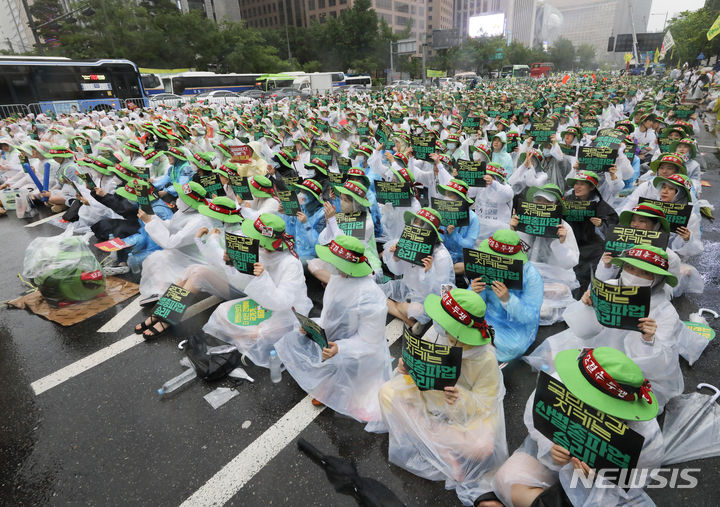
(105, 438)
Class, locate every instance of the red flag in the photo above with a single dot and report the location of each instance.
(566, 78)
(593, 78)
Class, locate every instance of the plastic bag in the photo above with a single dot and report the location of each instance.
(63, 268)
(220, 396)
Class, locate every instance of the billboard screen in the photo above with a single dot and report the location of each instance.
(488, 25)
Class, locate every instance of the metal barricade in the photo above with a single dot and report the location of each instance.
(13, 110)
(131, 103)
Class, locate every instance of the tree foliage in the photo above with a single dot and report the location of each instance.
(689, 31)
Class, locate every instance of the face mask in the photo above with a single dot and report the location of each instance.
(476, 156)
(634, 280)
(303, 199)
(451, 146)
(546, 152)
(360, 159)
(686, 156)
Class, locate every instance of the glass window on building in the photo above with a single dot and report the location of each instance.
(321, 4)
(402, 7)
(332, 3)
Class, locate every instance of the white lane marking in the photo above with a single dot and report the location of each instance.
(113, 325)
(222, 486)
(72, 370)
(44, 220)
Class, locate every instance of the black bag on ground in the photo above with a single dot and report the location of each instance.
(210, 366)
(73, 212)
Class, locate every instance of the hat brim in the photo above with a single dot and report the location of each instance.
(317, 168)
(566, 364)
(204, 210)
(693, 148)
(485, 247)
(532, 191)
(670, 279)
(656, 163)
(130, 197)
(306, 189)
(248, 229)
(362, 200)
(572, 181)
(626, 217)
(175, 155)
(657, 180)
(465, 334)
(184, 198)
(410, 216)
(351, 269)
(442, 188)
(258, 193)
(124, 176)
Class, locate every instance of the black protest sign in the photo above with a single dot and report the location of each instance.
(87, 179)
(630, 153)
(684, 111)
(618, 306)
(471, 123)
(322, 150)
(344, 164)
(455, 213)
(596, 158)
(423, 146)
(211, 183)
(677, 214)
(664, 144)
(539, 219)
(540, 103)
(579, 211)
(427, 105)
(415, 244)
(396, 193)
(172, 305)
(288, 200)
(592, 436)
(512, 143)
(144, 173)
(240, 186)
(336, 178)
(431, 366)
(609, 137)
(590, 125)
(383, 135)
(569, 149)
(363, 130)
(471, 172)
(622, 238)
(493, 268)
(490, 133)
(541, 131)
(243, 252)
(143, 199)
(352, 224)
(312, 330)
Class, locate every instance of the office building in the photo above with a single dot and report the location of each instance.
(217, 10)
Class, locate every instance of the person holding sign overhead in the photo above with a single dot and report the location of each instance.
(454, 434)
(554, 258)
(513, 313)
(529, 172)
(405, 296)
(541, 470)
(347, 374)
(275, 286)
(647, 328)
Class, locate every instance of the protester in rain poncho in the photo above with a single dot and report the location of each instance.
(540, 468)
(677, 188)
(554, 258)
(254, 323)
(513, 313)
(347, 375)
(457, 238)
(406, 295)
(393, 220)
(668, 164)
(529, 172)
(456, 435)
(179, 171)
(493, 202)
(176, 237)
(660, 337)
(309, 222)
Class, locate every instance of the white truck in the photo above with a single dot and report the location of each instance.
(316, 82)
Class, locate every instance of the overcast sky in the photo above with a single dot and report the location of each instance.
(672, 7)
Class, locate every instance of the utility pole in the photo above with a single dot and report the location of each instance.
(636, 49)
(392, 67)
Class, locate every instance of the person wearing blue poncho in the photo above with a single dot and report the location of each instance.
(500, 154)
(179, 171)
(307, 225)
(457, 238)
(514, 314)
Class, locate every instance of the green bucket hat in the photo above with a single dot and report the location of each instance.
(132, 188)
(268, 229)
(311, 186)
(576, 131)
(151, 154)
(99, 164)
(549, 189)
(403, 174)
(191, 193)
(318, 165)
(679, 180)
(609, 381)
(461, 313)
(532, 152)
(585, 176)
(504, 242)
(669, 158)
(203, 159)
(645, 210)
(58, 152)
(223, 209)
(495, 169)
(356, 190)
(347, 254)
(134, 146)
(685, 140)
(427, 215)
(177, 153)
(260, 186)
(458, 187)
(125, 171)
(650, 258)
(223, 148)
(358, 173)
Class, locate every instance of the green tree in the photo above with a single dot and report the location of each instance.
(586, 54)
(689, 30)
(562, 54)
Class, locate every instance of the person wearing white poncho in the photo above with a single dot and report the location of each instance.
(176, 237)
(541, 471)
(660, 337)
(254, 323)
(456, 435)
(554, 258)
(346, 375)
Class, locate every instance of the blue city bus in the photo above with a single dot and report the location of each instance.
(193, 83)
(61, 85)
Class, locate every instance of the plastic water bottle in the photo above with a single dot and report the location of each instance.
(177, 382)
(275, 373)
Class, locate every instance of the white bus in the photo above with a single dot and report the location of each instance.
(364, 81)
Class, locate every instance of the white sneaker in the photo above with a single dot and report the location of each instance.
(117, 270)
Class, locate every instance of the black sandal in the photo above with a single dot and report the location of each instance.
(144, 327)
(154, 333)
